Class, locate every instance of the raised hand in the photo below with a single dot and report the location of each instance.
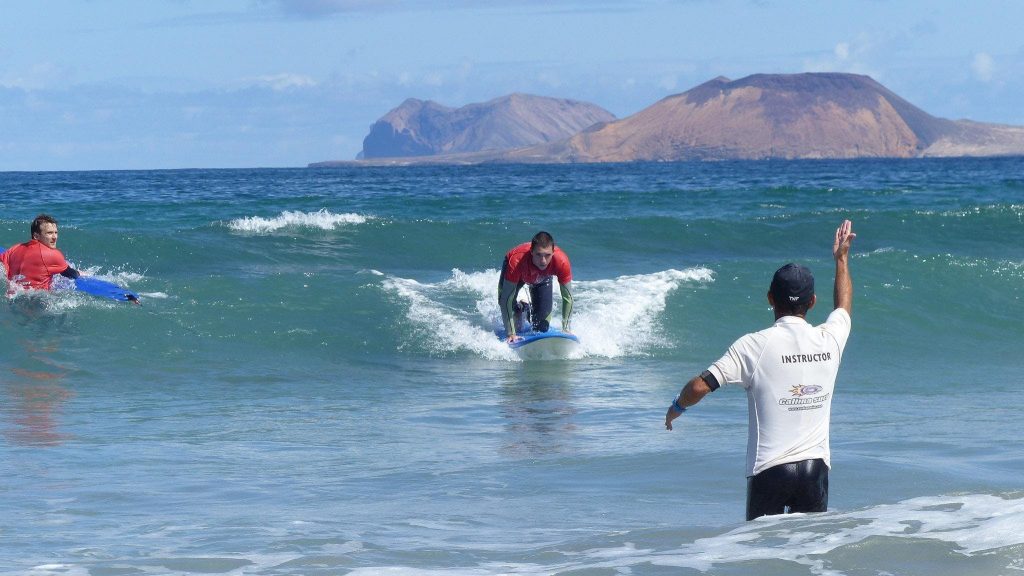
(844, 237)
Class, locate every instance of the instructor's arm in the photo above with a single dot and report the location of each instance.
(694, 391)
(842, 293)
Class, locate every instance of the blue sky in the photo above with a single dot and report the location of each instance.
(139, 84)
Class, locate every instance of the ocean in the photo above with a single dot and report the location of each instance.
(312, 385)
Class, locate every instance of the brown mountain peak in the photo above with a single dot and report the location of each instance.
(426, 128)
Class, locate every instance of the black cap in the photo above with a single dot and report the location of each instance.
(792, 285)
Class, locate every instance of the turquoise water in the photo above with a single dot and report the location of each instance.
(312, 385)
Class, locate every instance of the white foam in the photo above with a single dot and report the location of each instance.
(613, 317)
(60, 298)
(120, 277)
(55, 569)
(441, 327)
(971, 524)
(322, 219)
(998, 209)
(619, 317)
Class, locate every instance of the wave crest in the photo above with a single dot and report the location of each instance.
(460, 313)
(322, 219)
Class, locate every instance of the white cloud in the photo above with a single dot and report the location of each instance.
(192, 112)
(327, 8)
(842, 51)
(284, 82)
(852, 57)
(433, 79)
(550, 79)
(38, 77)
(983, 66)
(318, 8)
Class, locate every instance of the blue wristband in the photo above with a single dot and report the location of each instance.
(675, 404)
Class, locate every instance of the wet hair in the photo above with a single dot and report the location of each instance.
(37, 224)
(542, 239)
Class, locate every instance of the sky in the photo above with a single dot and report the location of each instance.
(154, 84)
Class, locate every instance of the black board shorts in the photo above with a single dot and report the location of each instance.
(791, 487)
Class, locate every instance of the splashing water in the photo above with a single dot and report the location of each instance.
(461, 312)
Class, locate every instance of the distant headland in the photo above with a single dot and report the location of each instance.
(763, 116)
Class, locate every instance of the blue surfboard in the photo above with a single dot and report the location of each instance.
(531, 337)
(104, 289)
(551, 345)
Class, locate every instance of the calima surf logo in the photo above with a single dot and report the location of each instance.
(805, 390)
(800, 401)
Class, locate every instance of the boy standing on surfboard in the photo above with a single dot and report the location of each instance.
(534, 263)
(33, 264)
(789, 374)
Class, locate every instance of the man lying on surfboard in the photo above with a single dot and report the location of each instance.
(534, 263)
(33, 264)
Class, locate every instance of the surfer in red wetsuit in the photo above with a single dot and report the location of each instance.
(32, 265)
(534, 263)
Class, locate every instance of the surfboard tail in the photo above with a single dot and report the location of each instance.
(104, 289)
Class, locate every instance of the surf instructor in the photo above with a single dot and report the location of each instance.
(789, 373)
(33, 264)
(534, 263)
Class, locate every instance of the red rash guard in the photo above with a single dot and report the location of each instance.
(33, 264)
(522, 269)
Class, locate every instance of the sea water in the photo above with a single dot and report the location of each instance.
(312, 385)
